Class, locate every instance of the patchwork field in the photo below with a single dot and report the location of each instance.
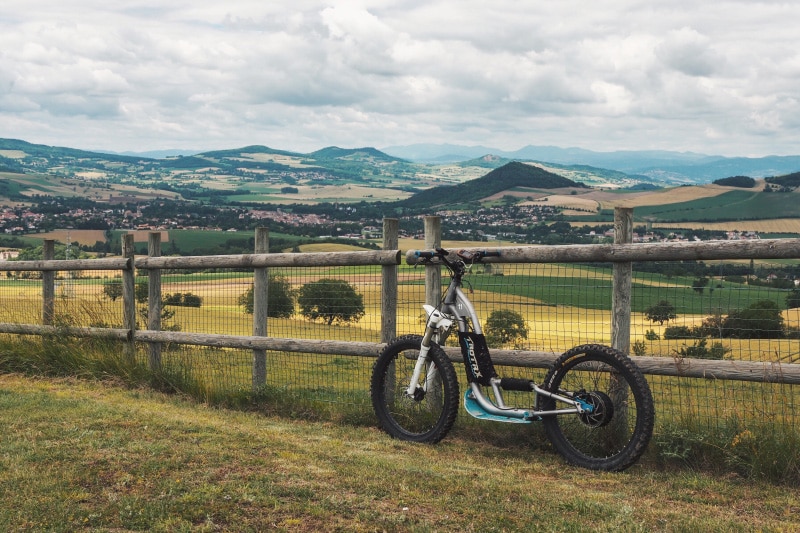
(561, 307)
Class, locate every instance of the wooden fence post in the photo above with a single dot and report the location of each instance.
(260, 298)
(154, 300)
(48, 285)
(129, 294)
(433, 273)
(622, 273)
(389, 282)
(622, 284)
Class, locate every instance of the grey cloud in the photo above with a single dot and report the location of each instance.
(689, 52)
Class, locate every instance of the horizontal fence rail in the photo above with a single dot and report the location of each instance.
(611, 253)
(387, 257)
(55, 265)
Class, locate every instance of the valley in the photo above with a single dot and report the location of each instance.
(337, 193)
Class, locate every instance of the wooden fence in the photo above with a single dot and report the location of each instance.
(622, 254)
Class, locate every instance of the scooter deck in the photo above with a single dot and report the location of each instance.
(476, 411)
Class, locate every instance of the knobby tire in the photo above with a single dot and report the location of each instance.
(616, 383)
(430, 415)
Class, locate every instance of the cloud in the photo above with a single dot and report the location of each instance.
(304, 74)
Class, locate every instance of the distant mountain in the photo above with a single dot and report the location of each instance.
(440, 153)
(664, 166)
(510, 176)
(160, 154)
(623, 161)
(704, 172)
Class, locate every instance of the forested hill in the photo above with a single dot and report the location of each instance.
(510, 176)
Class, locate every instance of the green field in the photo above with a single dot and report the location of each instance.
(732, 205)
(593, 289)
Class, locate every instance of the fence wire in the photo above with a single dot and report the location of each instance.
(559, 306)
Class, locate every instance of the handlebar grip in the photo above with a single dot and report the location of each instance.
(426, 254)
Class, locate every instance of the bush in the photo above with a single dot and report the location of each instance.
(182, 300)
(113, 290)
(639, 348)
(678, 332)
(651, 335)
(699, 350)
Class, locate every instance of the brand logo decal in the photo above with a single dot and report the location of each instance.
(473, 360)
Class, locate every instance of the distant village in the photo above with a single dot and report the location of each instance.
(511, 223)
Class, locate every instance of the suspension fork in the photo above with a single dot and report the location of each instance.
(437, 321)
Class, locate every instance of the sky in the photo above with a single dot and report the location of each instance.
(718, 77)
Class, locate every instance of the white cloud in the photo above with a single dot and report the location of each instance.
(627, 74)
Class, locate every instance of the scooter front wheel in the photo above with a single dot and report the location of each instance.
(428, 413)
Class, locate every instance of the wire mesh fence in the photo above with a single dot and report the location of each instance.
(559, 305)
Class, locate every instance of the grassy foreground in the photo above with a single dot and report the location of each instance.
(84, 455)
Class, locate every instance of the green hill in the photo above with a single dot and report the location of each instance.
(253, 149)
(789, 180)
(356, 154)
(57, 152)
(509, 176)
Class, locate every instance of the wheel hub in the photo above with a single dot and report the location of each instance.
(602, 408)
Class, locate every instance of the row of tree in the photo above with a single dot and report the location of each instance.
(328, 300)
(760, 320)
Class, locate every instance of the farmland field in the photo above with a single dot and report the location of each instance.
(732, 205)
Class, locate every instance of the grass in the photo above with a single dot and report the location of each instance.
(87, 455)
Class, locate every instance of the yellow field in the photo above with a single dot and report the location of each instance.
(551, 328)
(780, 225)
(672, 195)
(79, 236)
(568, 202)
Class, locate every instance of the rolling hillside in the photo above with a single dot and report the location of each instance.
(256, 175)
(510, 176)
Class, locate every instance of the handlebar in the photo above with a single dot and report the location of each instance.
(467, 256)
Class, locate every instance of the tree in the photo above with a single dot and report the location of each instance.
(662, 312)
(113, 290)
(700, 284)
(793, 299)
(505, 326)
(280, 298)
(330, 300)
(761, 320)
